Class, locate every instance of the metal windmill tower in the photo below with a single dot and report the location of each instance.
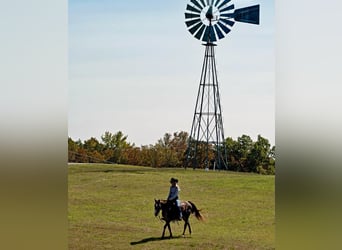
(208, 21)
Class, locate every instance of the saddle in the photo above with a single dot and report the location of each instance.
(173, 209)
(171, 204)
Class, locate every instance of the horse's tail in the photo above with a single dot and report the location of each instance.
(196, 211)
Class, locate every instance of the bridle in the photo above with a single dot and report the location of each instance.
(157, 208)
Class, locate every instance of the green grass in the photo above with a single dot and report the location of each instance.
(111, 207)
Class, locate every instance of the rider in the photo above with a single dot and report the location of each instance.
(173, 195)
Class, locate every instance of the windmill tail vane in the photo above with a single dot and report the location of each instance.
(248, 14)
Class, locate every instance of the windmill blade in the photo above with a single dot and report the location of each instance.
(203, 3)
(195, 28)
(223, 27)
(248, 14)
(218, 32)
(197, 4)
(190, 8)
(192, 22)
(230, 7)
(200, 32)
(223, 3)
(212, 34)
(226, 21)
(191, 15)
(206, 35)
(209, 35)
(216, 3)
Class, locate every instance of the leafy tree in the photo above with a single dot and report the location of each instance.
(145, 156)
(155, 156)
(132, 156)
(178, 146)
(115, 144)
(272, 153)
(92, 144)
(93, 150)
(76, 151)
(244, 148)
(72, 150)
(248, 156)
(232, 149)
(202, 154)
(170, 151)
(95, 157)
(259, 155)
(165, 151)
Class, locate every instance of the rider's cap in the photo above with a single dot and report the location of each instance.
(174, 180)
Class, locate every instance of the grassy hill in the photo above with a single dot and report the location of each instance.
(111, 207)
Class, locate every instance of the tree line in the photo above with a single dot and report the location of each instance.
(244, 154)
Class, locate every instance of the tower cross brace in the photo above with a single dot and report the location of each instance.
(206, 141)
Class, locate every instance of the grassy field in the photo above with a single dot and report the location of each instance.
(111, 207)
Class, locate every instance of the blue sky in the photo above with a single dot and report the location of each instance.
(134, 67)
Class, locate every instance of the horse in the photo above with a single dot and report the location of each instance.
(169, 213)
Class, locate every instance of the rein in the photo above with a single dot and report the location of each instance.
(160, 210)
(158, 218)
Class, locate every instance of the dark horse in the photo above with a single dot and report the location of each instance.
(171, 213)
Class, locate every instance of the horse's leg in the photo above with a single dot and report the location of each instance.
(164, 229)
(185, 224)
(188, 223)
(168, 225)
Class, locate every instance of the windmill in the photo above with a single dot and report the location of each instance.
(209, 21)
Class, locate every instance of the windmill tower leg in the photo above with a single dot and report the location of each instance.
(206, 142)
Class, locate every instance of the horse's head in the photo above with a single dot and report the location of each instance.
(157, 207)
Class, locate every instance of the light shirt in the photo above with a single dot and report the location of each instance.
(173, 194)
